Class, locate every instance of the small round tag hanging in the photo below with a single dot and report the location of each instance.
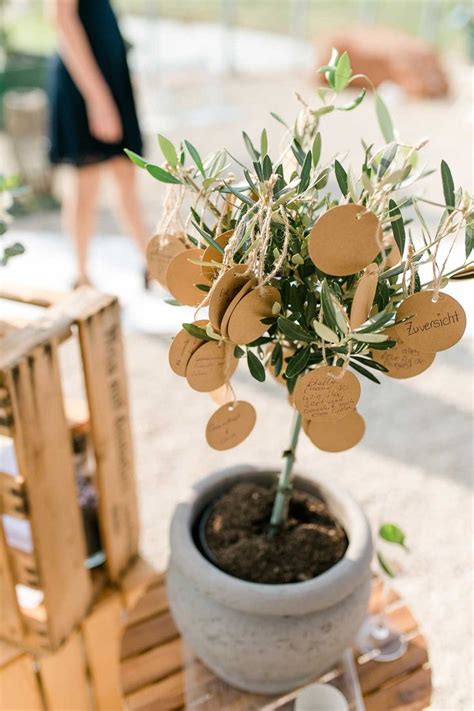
(345, 239)
(245, 323)
(160, 250)
(434, 322)
(210, 366)
(402, 361)
(326, 393)
(230, 425)
(182, 347)
(336, 436)
(183, 275)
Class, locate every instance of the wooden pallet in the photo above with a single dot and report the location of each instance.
(127, 654)
(159, 674)
(32, 413)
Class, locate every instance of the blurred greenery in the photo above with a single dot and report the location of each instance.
(28, 29)
(311, 17)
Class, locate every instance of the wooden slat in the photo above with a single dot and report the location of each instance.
(35, 297)
(13, 499)
(11, 625)
(373, 674)
(402, 619)
(148, 634)
(54, 325)
(6, 414)
(409, 694)
(138, 578)
(8, 652)
(206, 692)
(24, 568)
(102, 631)
(58, 537)
(36, 628)
(64, 677)
(19, 689)
(105, 378)
(154, 602)
(151, 666)
(162, 696)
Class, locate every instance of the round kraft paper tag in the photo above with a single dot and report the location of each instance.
(224, 290)
(182, 276)
(230, 309)
(160, 251)
(245, 323)
(326, 393)
(336, 436)
(182, 347)
(431, 326)
(211, 366)
(345, 240)
(402, 361)
(230, 425)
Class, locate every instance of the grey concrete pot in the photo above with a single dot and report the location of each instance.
(268, 638)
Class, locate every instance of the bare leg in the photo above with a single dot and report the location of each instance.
(123, 172)
(80, 206)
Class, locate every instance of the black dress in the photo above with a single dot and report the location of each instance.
(70, 138)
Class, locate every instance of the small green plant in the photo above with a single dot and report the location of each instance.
(390, 533)
(269, 223)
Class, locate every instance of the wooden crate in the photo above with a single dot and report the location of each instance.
(84, 673)
(32, 413)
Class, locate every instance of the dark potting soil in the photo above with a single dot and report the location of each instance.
(237, 536)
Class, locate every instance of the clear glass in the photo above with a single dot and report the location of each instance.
(378, 636)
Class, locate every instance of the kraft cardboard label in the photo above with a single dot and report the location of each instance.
(336, 436)
(182, 276)
(345, 239)
(182, 347)
(326, 393)
(223, 292)
(230, 309)
(431, 326)
(402, 361)
(160, 251)
(245, 323)
(210, 366)
(364, 296)
(230, 425)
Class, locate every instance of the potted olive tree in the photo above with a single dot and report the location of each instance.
(323, 276)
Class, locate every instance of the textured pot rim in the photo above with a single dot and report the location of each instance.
(321, 592)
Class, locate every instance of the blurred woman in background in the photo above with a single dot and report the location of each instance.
(93, 118)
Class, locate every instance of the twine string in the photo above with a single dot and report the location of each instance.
(439, 271)
(344, 366)
(407, 265)
(170, 221)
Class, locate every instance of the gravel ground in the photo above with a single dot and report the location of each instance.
(415, 463)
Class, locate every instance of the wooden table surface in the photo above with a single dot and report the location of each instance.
(159, 674)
